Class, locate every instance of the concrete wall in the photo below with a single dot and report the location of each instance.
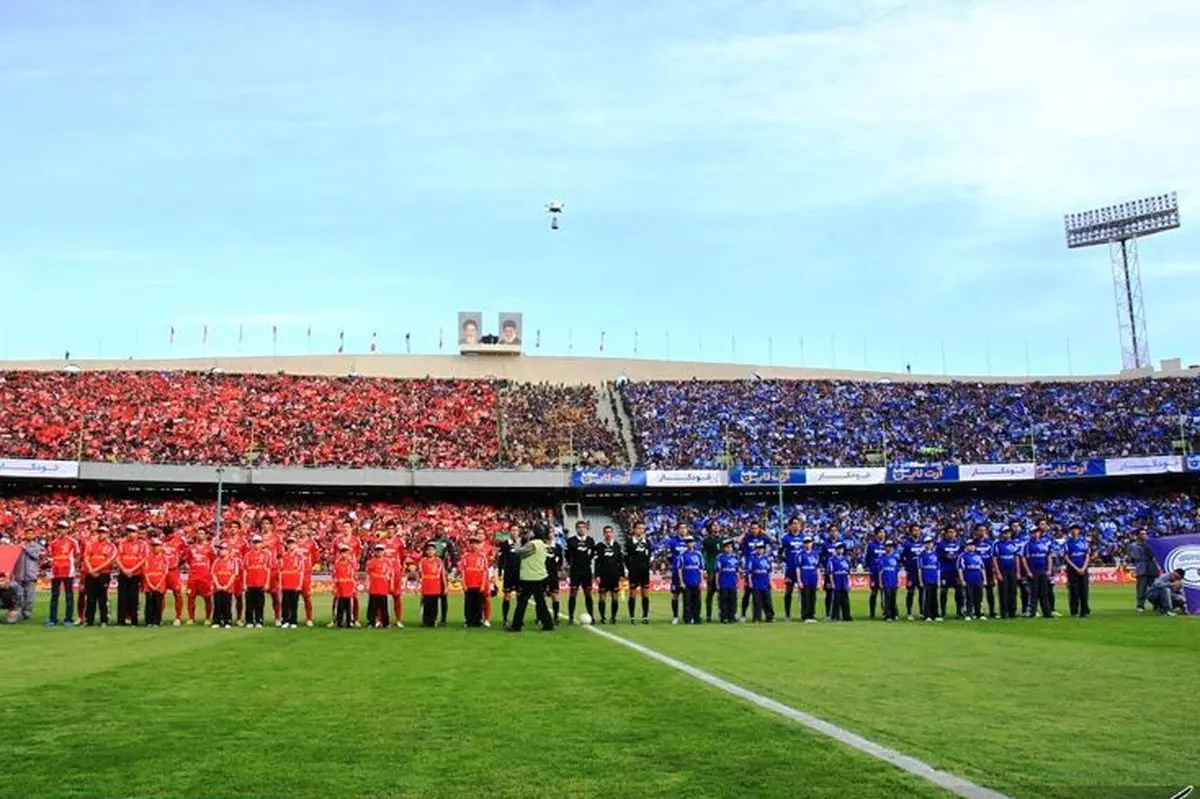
(522, 368)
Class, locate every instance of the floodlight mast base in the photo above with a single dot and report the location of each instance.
(1131, 312)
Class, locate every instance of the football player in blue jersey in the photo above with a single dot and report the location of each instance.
(929, 565)
(1078, 555)
(871, 553)
(790, 545)
(728, 568)
(887, 566)
(986, 549)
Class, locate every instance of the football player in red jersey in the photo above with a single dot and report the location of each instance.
(225, 568)
(237, 544)
(312, 553)
(381, 567)
(433, 585)
(99, 559)
(154, 582)
(273, 544)
(131, 558)
(397, 549)
(173, 547)
(199, 557)
(257, 565)
(475, 567)
(293, 567)
(84, 538)
(345, 570)
(353, 544)
(64, 554)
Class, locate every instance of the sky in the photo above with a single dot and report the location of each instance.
(850, 183)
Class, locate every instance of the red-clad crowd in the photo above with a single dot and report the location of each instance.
(168, 547)
(281, 420)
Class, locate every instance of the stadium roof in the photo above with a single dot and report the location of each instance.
(567, 370)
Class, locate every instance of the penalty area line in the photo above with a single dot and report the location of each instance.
(943, 779)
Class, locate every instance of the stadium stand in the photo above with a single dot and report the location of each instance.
(710, 424)
(544, 423)
(286, 420)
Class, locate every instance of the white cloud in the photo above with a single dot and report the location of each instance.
(1034, 106)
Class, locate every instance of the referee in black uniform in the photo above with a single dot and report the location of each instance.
(610, 568)
(554, 563)
(579, 569)
(508, 567)
(637, 563)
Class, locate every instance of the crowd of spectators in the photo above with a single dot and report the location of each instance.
(288, 420)
(277, 420)
(852, 423)
(27, 517)
(543, 423)
(1109, 519)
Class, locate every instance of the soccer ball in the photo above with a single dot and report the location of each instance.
(585, 618)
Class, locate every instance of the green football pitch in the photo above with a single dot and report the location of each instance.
(1062, 707)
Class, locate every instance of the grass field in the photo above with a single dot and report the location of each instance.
(1062, 707)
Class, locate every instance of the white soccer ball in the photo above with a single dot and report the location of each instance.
(585, 618)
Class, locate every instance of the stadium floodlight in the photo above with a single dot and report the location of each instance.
(1119, 226)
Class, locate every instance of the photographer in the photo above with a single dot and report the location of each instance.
(10, 603)
(1165, 595)
(533, 552)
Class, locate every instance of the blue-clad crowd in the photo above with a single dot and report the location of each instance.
(847, 423)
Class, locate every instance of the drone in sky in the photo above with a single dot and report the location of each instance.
(555, 209)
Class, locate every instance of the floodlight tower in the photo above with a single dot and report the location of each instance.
(1119, 226)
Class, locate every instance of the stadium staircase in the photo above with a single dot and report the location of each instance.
(610, 407)
(595, 516)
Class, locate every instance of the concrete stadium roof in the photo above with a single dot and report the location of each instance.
(533, 369)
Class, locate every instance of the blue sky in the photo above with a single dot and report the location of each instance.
(765, 181)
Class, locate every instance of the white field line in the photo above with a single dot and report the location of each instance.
(919, 768)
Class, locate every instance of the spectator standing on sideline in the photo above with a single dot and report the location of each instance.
(1145, 568)
(25, 574)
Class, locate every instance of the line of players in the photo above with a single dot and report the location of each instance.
(933, 569)
(233, 575)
